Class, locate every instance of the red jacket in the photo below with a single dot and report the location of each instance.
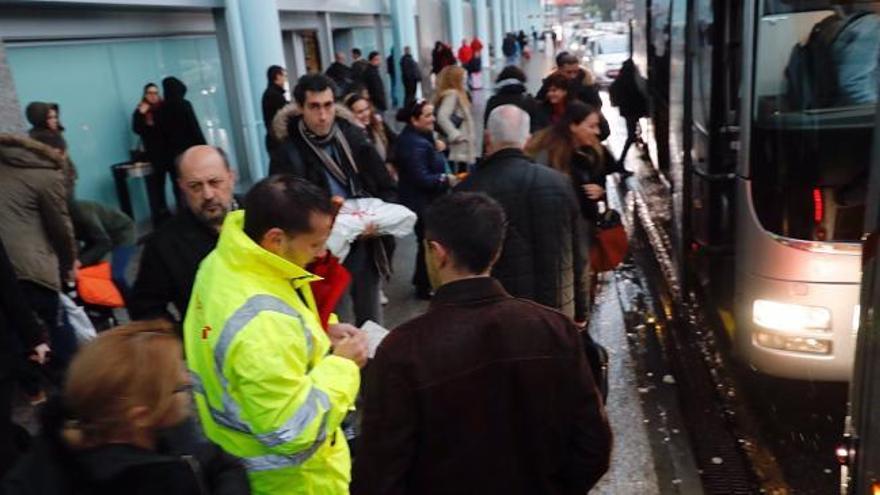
(476, 47)
(465, 54)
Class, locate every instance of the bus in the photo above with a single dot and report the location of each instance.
(860, 453)
(769, 180)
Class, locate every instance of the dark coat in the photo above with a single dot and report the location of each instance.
(35, 221)
(409, 69)
(515, 94)
(579, 89)
(151, 137)
(373, 81)
(19, 329)
(544, 256)
(358, 68)
(484, 393)
(52, 468)
(341, 75)
(420, 168)
(169, 263)
(508, 46)
(587, 168)
(177, 120)
(273, 100)
(295, 157)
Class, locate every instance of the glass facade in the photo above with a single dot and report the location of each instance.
(99, 84)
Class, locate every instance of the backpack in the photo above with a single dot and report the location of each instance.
(812, 70)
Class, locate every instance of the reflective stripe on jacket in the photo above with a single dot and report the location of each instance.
(266, 389)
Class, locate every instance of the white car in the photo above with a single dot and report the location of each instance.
(607, 55)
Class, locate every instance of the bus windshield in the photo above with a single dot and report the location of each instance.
(817, 78)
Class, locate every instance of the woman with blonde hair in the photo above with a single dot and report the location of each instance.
(454, 117)
(105, 433)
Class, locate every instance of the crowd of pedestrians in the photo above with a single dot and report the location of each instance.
(490, 388)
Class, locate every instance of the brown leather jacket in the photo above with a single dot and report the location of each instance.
(484, 393)
(34, 220)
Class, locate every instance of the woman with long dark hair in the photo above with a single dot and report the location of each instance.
(378, 131)
(424, 175)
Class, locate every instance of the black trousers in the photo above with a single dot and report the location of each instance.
(409, 92)
(420, 273)
(8, 449)
(44, 302)
(156, 193)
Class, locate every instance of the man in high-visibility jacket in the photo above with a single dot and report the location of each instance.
(269, 387)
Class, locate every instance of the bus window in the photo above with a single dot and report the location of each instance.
(812, 129)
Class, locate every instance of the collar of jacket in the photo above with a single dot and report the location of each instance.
(285, 121)
(470, 290)
(503, 154)
(24, 152)
(241, 252)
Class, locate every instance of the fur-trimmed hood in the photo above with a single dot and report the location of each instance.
(23, 152)
(283, 118)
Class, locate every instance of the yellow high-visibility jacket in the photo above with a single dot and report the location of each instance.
(266, 388)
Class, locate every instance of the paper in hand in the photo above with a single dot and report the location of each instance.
(375, 335)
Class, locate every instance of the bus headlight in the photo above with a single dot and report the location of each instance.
(790, 317)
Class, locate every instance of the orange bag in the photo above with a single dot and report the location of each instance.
(610, 245)
(95, 286)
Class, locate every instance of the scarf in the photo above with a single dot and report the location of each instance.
(346, 170)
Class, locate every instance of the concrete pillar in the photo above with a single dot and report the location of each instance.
(456, 23)
(325, 41)
(253, 30)
(482, 30)
(382, 48)
(497, 28)
(515, 16)
(11, 116)
(403, 34)
(508, 16)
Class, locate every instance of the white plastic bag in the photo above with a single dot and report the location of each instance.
(78, 319)
(356, 214)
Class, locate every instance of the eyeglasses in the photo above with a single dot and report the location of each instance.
(183, 388)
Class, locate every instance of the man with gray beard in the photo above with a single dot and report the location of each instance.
(172, 254)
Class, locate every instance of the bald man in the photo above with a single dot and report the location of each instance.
(172, 254)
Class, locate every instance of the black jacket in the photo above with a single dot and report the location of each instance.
(177, 120)
(484, 393)
(169, 263)
(373, 81)
(52, 468)
(151, 137)
(341, 75)
(587, 168)
(409, 69)
(273, 100)
(515, 94)
(544, 256)
(295, 157)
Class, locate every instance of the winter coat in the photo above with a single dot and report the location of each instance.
(582, 88)
(177, 120)
(294, 156)
(450, 104)
(544, 256)
(341, 75)
(376, 88)
(465, 54)
(508, 46)
(586, 168)
(409, 69)
(273, 100)
(476, 46)
(168, 266)
(35, 222)
(514, 93)
(51, 467)
(358, 69)
(151, 137)
(268, 388)
(421, 169)
(100, 229)
(484, 393)
(19, 329)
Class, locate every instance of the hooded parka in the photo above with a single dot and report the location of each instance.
(267, 389)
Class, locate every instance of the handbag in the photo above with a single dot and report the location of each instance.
(610, 244)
